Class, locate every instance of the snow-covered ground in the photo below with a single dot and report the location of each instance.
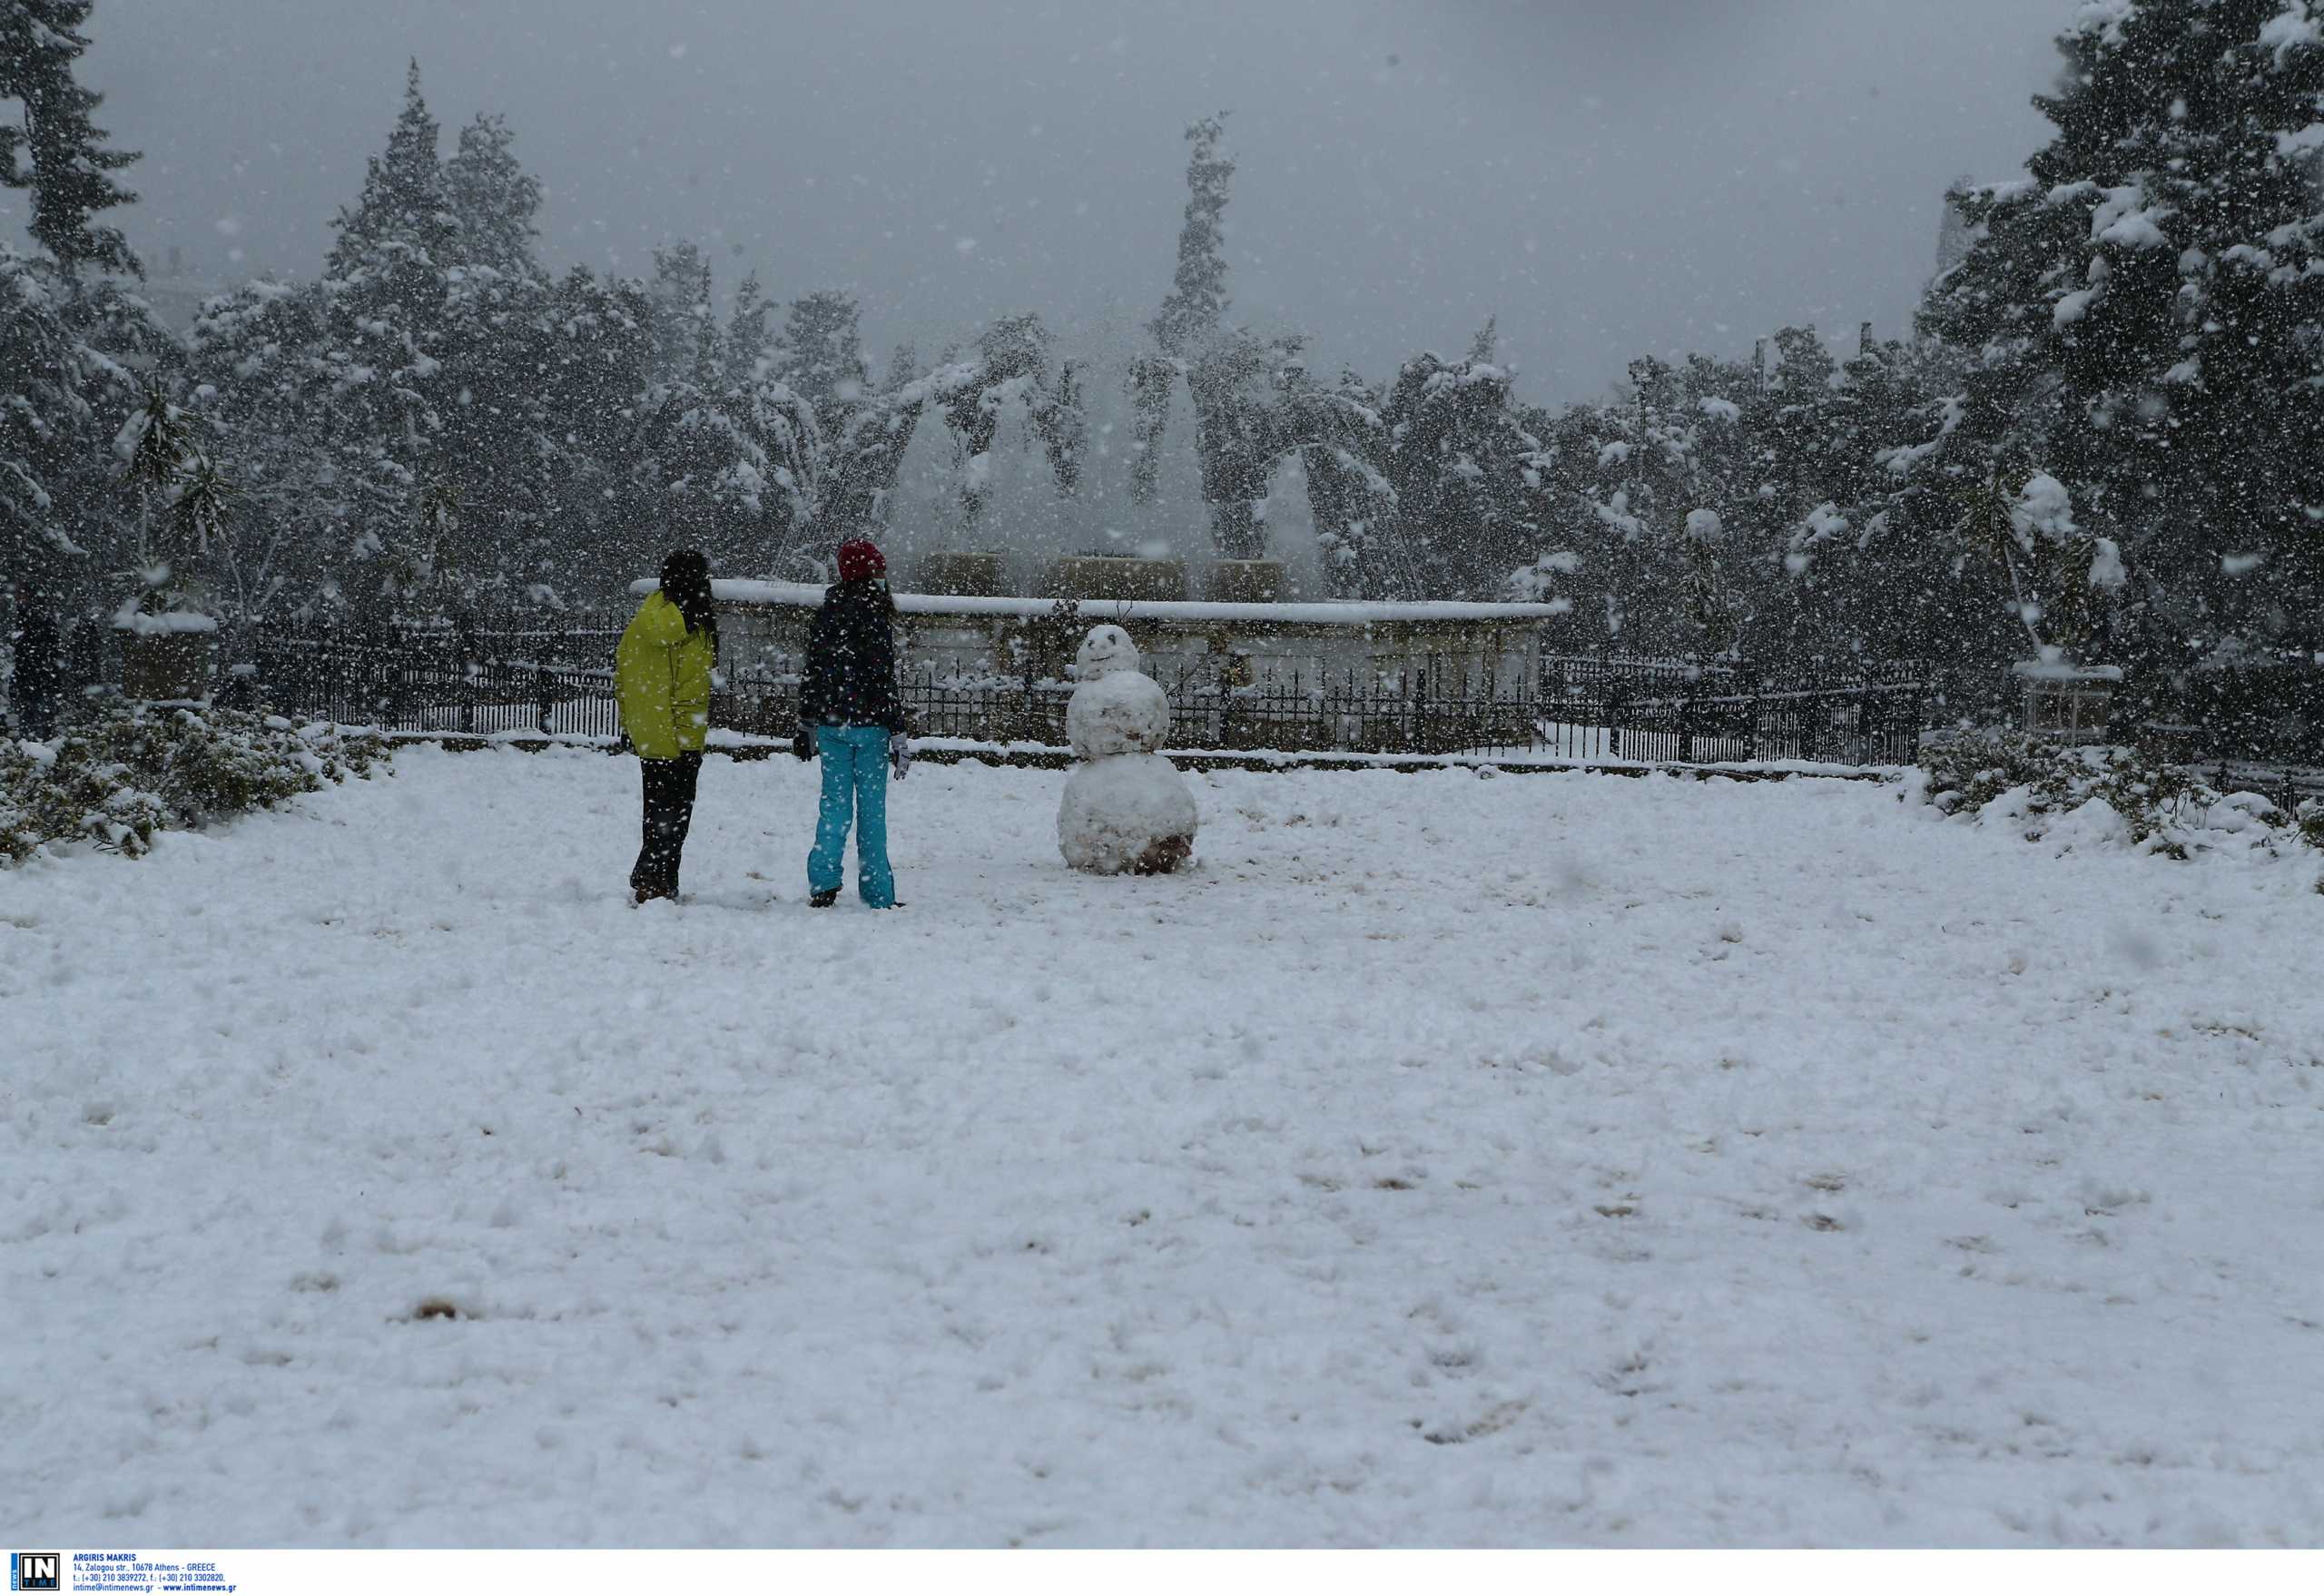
(1542, 1159)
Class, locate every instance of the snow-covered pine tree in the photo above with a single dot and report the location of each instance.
(502, 450)
(2147, 315)
(403, 225)
(421, 373)
(1485, 346)
(904, 367)
(68, 332)
(1629, 464)
(749, 339)
(605, 526)
(820, 350)
(1866, 576)
(1195, 308)
(735, 464)
(796, 457)
(1787, 490)
(58, 152)
(55, 393)
(1236, 440)
(156, 446)
(387, 283)
(685, 329)
(1712, 605)
(1011, 369)
(1151, 381)
(1343, 444)
(264, 379)
(1063, 426)
(1955, 234)
(1459, 452)
(866, 454)
(495, 202)
(1235, 427)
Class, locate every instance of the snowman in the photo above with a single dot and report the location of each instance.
(1125, 808)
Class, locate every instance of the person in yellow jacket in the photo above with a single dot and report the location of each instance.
(661, 682)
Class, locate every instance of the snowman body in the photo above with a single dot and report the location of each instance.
(1126, 809)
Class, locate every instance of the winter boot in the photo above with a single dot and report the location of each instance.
(823, 900)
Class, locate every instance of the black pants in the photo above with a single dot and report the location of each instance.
(669, 810)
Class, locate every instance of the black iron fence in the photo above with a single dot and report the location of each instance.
(523, 674)
(1421, 704)
(1576, 707)
(437, 678)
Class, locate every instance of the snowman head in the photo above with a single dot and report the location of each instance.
(1107, 649)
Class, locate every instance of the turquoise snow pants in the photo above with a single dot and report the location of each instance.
(855, 784)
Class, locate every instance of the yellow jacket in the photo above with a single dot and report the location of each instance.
(662, 681)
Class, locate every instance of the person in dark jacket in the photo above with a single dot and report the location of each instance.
(851, 716)
(39, 686)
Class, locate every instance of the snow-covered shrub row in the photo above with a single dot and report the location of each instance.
(130, 771)
(2051, 792)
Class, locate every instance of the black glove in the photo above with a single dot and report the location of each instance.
(803, 743)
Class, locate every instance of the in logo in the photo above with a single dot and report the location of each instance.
(35, 1571)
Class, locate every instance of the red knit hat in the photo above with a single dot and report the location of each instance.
(860, 559)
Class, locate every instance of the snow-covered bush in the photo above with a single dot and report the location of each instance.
(2310, 821)
(2052, 792)
(131, 771)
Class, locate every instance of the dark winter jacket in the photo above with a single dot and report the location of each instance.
(849, 676)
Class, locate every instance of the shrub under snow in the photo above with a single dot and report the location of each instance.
(131, 771)
(2054, 793)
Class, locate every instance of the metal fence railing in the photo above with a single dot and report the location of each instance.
(1425, 704)
(479, 679)
(435, 680)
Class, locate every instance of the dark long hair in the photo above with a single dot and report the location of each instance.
(685, 582)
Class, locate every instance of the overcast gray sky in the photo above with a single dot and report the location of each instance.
(1611, 177)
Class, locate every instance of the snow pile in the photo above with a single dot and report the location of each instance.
(1126, 808)
(164, 624)
(2069, 797)
(131, 771)
(2043, 513)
